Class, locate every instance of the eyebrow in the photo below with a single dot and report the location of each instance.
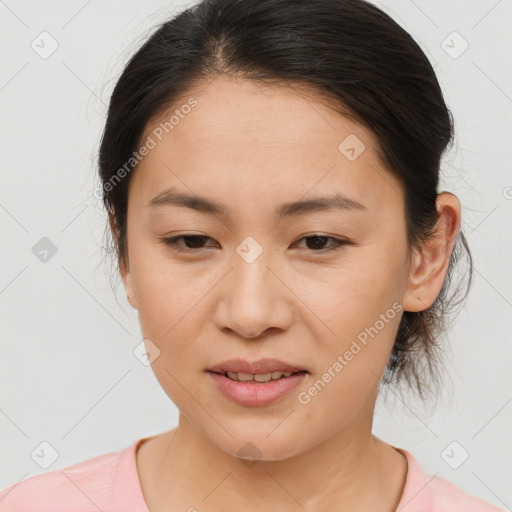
(202, 204)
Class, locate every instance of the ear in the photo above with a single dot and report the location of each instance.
(430, 263)
(127, 278)
(124, 269)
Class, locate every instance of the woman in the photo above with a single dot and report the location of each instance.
(270, 170)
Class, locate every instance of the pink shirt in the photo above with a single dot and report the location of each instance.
(110, 483)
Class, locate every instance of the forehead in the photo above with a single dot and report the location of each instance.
(260, 143)
(234, 110)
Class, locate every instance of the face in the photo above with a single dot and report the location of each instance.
(319, 288)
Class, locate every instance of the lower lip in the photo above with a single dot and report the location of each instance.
(254, 394)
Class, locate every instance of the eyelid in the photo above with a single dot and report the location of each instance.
(173, 242)
(338, 243)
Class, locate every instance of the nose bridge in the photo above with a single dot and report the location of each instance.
(251, 272)
(254, 298)
(251, 276)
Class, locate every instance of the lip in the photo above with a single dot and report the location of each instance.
(264, 365)
(256, 394)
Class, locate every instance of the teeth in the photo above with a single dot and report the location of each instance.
(260, 377)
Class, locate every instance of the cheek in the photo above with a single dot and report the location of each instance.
(173, 309)
(167, 291)
(171, 315)
(169, 307)
(360, 305)
(357, 289)
(361, 309)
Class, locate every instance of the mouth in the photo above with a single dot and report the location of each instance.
(261, 370)
(256, 383)
(258, 377)
(259, 389)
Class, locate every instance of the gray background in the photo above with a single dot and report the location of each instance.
(67, 369)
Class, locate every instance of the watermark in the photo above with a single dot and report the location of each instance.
(351, 147)
(146, 352)
(44, 45)
(455, 455)
(249, 454)
(44, 250)
(150, 143)
(304, 397)
(44, 454)
(507, 192)
(454, 45)
(249, 250)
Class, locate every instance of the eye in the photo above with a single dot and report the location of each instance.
(319, 240)
(191, 243)
(193, 240)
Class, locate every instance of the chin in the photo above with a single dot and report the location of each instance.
(256, 446)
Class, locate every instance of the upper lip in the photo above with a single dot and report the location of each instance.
(255, 367)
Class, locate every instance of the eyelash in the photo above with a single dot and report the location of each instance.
(173, 243)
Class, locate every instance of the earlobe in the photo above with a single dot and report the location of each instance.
(124, 269)
(127, 278)
(422, 277)
(430, 263)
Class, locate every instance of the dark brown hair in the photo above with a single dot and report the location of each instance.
(354, 56)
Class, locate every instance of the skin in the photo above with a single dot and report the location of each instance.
(254, 148)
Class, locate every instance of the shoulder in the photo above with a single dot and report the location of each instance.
(424, 492)
(86, 485)
(447, 496)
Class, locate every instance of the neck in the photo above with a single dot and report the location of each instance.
(352, 470)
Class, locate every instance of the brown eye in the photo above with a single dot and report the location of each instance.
(316, 243)
(192, 242)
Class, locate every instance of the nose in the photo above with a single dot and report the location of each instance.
(254, 300)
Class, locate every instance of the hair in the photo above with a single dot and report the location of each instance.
(347, 52)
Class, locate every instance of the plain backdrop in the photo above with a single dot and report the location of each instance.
(68, 375)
